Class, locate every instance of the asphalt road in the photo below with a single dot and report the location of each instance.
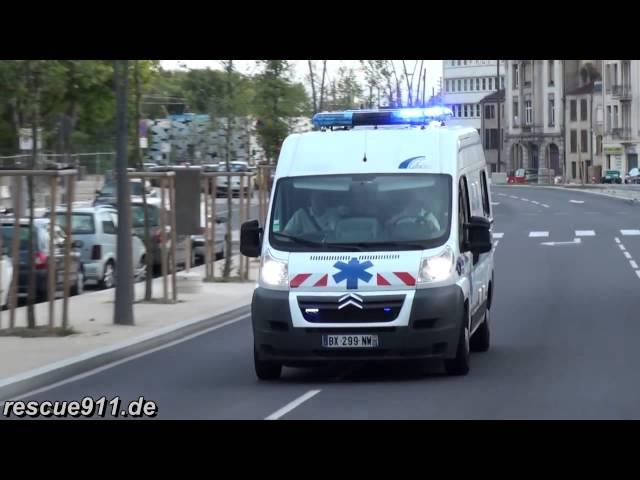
(565, 329)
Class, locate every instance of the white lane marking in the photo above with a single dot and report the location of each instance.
(638, 273)
(538, 234)
(498, 235)
(524, 199)
(514, 197)
(502, 194)
(591, 213)
(622, 247)
(627, 255)
(495, 244)
(576, 201)
(633, 264)
(495, 203)
(617, 240)
(544, 205)
(630, 232)
(535, 203)
(291, 405)
(575, 241)
(132, 357)
(585, 233)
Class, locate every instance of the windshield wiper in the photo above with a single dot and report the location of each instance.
(373, 245)
(313, 243)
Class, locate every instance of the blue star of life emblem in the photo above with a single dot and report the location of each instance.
(352, 272)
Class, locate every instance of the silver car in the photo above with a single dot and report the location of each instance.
(96, 227)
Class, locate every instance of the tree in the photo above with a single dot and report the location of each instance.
(317, 100)
(348, 91)
(277, 100)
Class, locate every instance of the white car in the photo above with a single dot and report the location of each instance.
(633, 176)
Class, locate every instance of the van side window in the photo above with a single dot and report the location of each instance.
(463, 210)
(486, 205)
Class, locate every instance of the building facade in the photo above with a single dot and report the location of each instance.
(621, 112)
(492, 129)
(465, 83)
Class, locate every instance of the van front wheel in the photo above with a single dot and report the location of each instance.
(481, 339)
(460, 364)
(265, 370)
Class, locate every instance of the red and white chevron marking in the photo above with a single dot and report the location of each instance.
(320, 280)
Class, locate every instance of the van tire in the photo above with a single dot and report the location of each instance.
(265, 370)
(109, 275)
(481, 339)
(460, 364)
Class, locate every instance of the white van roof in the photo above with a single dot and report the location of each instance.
(432, 149)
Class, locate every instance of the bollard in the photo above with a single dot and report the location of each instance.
(163, 239)
(52, 259)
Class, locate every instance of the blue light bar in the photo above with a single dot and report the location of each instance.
(400, 116)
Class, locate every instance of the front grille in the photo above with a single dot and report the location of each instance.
(378, 309)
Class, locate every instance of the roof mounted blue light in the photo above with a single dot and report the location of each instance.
(399, 116)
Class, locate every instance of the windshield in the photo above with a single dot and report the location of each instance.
(234, 167)
(137, 216)
(7, 237)
(110, 190)
(367, 212)
(81, 223)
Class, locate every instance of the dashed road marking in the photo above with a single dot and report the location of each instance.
(535, 203)
(498, 235)
(524, 199)
(630, 232)
(495, 203)
(585, 233)
(291, 405)
(633, 264)
(617, 240)
(627, 255)
(576, 201)
(538, 234)
(622, 247)
(544, 205)
(514, 197)
(638, 273)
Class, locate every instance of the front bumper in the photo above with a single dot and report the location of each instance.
(432, 333)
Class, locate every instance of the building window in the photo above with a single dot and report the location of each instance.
(552, 110)
(502, 81)
(484, 84)
(453, 85)
(465, 85)
(458, 62)
(615, 116)
(490, 83)
(573, 169)
(599, 145)
(449, 86)
(459, 85)
(609, 117)
(478, 110)
(584, 141)
(466, 111)
(465, 62)
(471, 84)
(551, 73)
(491, 139)
(573, 116)
(584, 112)
(489, 112)
(516, 111)
(477, 84)
(528, 112)
(515, 76)
(574, 141)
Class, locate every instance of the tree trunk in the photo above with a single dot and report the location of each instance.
(398, 94)
(324, 71)
(33, 91)
(228, 239)
(136, 78)
(313, 87)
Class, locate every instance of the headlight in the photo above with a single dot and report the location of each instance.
(436, 268)
(274, 272)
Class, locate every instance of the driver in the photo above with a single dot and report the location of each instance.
(319, 217)
(417, 209)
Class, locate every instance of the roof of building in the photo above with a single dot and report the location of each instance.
(494, 97)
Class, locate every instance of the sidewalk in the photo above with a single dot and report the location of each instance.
(91, 317)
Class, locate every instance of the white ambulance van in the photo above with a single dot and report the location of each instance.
(377, 244)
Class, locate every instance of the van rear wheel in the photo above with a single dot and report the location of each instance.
(265, 370)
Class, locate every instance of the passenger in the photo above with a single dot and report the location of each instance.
(318, 218)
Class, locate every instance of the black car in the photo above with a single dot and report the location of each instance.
(41, 257)
(611, 176)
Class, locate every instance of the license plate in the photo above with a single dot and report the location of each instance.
(350, 341)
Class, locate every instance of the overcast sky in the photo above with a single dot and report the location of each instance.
(433, 67)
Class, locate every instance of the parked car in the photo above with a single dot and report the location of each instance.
(223, 185)
(611, 176)
(40, 238)
(108, 194)
(523, 175)
(97, 228)
(6, 271)
(197, 241)
(633, 176)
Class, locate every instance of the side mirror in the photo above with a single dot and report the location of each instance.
(77, 244)
(478, 235)
(250, 239)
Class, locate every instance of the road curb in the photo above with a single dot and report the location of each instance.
(22, 383)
